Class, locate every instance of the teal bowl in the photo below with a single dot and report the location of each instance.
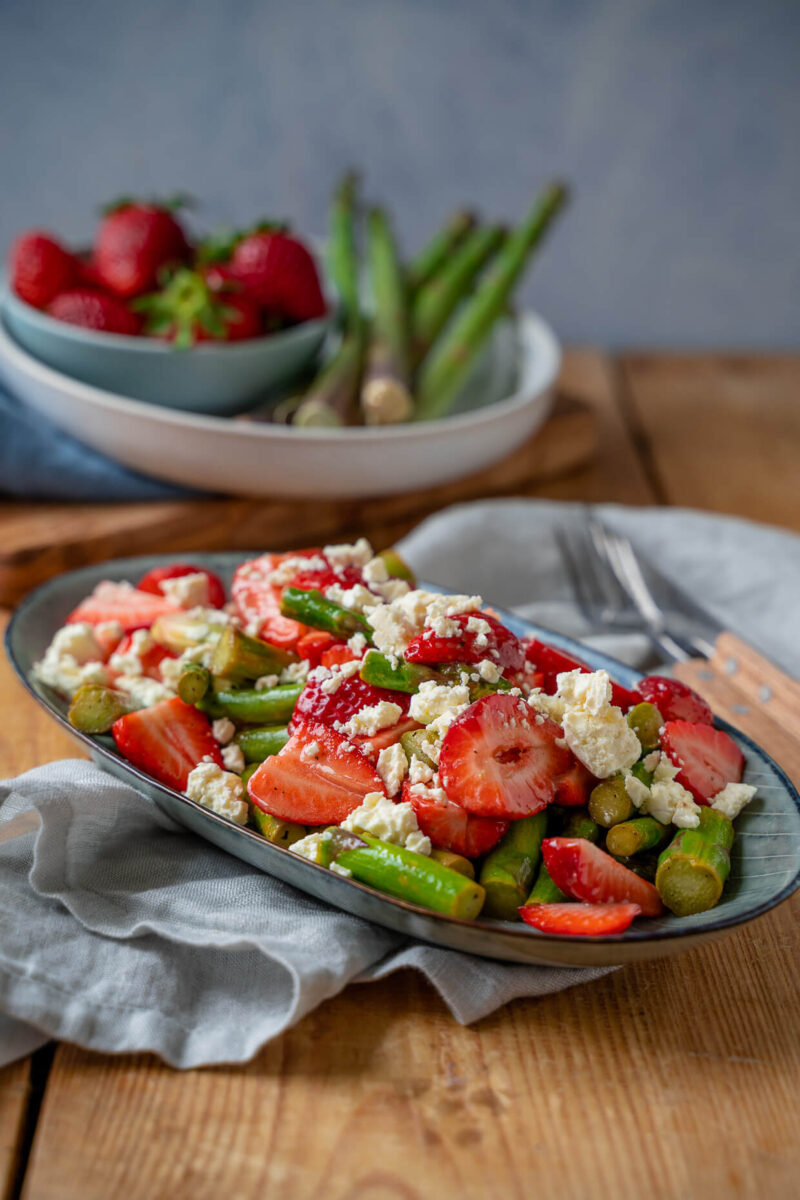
(218, 378)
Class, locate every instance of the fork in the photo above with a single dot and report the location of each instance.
(611, 589)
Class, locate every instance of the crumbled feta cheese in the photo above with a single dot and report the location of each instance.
(395, 623)
(375, 571)
(434, 700)
(109, 631)
(650, 761)
(310, 750)
(391, 590)
(129, 662)
(420, 772)
(345, 872)
(669, 802)
(732, 799)
(443, 627)
(296, 672)
(596, 730)
(187, 591)
(392, 766)
(489, 670)
(143, 689)
(221, 791)
(372, 718)
(265, 682)
(233, 758)
(309, 847)
(330, 679)
(72, 659)
(547, 706)
(357, 555)
(396, 823)
(357, 643)
(285, 572)
(356, 598)
(223, 730)
(480, 627)
(638, 792)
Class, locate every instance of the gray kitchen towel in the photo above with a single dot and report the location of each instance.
(121, 932)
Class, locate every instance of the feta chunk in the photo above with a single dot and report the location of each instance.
(397, 622)
(129, 662)
(375, 571)
(310, 846)
(223, 730)
(382, 818)
(434, 700)
(233, 758)
(344, 555)
(733, 798)
(143, 689)
(187, 591)
(220, 791)
(72, 659)
(372, 718)
(392, 767)
(296, 672)
(357, 598)
(596, 730)
(489, 670)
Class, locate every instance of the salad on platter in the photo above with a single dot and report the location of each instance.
(408, 739)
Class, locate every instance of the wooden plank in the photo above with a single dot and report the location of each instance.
(632, 1086)
(40, 540)
(723, 431)
(15, 1085)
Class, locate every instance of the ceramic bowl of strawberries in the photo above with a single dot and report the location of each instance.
(210, 326)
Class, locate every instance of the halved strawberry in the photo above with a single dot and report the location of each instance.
(496, 761)
(152, 658)
(499, 644)
(707, 757)
(167, 740)
(587, 873)
(338, 654)
(314, 644)
(552, 662)
(449, 826)
(318, 778)
(581, 920)
(258, 602)
(346, 577)
(133, 609)
(675, 701)
(351, 695)
(574, 786)
(151, 582)
(372, 744)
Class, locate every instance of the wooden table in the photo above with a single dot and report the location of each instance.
(674, 1079)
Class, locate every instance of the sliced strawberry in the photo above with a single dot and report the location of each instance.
(337, 655)
(582, 920)
(258, 602)
(152, 658)
(675, 701)
(346, 577)
(496, 761)
(587, 873)
(574, 786)
(499, 644)
(314, 644)
(551, 662)
(449, 826)
(708, 759)
(121, 602)
(351, 695)
(373, 744)
(318, 778)
(108, 640)
(167, 740)
(151, 582)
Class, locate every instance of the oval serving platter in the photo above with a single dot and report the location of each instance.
(766, 854)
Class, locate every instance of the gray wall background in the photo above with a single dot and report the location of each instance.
(677, 120)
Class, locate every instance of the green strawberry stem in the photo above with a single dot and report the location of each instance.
(240, 658)
(450, 362)
(632, 837)
(435, 303)
(184, 305)
(260, 743)
(342, 252)
(693, 868)
(385, 394)
(508, 870)
(331, 398)
(312, 608)
(413, 877)
(435, 254)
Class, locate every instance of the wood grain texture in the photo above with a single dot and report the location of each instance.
(41, 540)
(720, 432)
(14, 1095)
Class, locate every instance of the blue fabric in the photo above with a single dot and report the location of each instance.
(40, 462)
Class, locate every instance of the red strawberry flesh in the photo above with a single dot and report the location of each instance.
(120, 602)
(167, 740)
(449, 826)
(499, 645)
(587, 873)
(675, 701)
(707, 758)
(580, 920)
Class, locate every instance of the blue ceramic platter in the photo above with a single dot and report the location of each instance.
(765, 858)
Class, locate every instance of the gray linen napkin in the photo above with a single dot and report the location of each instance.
(121, 932)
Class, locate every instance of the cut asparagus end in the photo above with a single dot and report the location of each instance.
(280, 833)
(194, 683)
(317, 413)
(632, 837)
(95, 708)
(454, 862)
(688, 886)
(386, 401)
(415, 878)
(243, 659)
(397, 567)
(413, 744)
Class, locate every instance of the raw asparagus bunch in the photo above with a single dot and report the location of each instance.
(385, 390)
(449, 363)
(435, 254)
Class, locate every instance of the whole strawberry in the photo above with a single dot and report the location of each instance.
(134, 242)
(92, 309)
(41, 268)
(280, 274)
(188, 310)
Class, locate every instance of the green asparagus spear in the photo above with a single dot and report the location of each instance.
(194, 683)
(645, 720)
(342, 253)
(394, 674)
(240, 658)
(413, 744)
(413, 877)
(631, 837)
(693, 868)
(331, 399)
(436, 302)
(579, 824)
(478, 687)
(456, 862)
(544, 891)
(94, 708)
(609, 802)
(272, 706)
(260, 743)
(249, 770)
(385, 388)
(508, 870)
(280, 833)
(435, 254)
(640, 772)
(312, 608)
(396, 566)
(451, 360)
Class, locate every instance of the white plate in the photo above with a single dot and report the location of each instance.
(248, 458)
